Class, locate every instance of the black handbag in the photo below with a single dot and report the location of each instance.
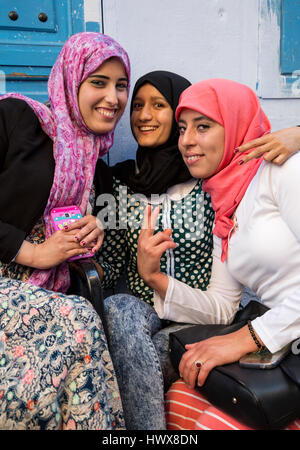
(261, 399)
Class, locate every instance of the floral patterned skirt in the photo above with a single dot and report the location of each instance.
(55, 369)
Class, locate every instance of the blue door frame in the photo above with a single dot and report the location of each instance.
(32, 33)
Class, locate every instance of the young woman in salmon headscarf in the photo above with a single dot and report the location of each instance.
(256, 243)
(55, 369)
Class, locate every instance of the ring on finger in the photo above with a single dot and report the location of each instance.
(198, 364)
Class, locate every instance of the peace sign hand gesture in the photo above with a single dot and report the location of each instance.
(150, 249)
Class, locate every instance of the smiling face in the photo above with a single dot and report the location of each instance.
(151, 118)
(201, 143)
(102, 97)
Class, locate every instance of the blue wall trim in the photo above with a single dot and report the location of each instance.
(290, 36)
(92, 26)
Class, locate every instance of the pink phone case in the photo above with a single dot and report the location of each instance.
(63, 216)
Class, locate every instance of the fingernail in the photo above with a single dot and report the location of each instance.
(66, 227)
(236, 150)
(241, 162)
(76, 238)
(83, 243)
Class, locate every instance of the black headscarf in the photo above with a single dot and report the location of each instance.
(161, 167)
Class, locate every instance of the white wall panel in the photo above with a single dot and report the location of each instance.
(196, 38)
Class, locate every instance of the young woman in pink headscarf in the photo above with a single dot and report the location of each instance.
(56, 371)
(48, 158)
(256, 244)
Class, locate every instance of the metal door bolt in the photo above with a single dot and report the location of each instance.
(43, 17)
(13, 15)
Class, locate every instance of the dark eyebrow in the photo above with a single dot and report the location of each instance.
(198, 119)
(152, 98)
(107, 78)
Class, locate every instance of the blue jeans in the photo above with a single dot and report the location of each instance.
(139, 351)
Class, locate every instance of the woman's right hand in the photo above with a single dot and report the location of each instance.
(59, 247)
(212, 352)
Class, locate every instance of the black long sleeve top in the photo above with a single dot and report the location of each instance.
(26, 174)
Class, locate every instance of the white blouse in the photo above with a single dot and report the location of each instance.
(264, 254)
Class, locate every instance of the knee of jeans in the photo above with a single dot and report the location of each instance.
(117, 305)
(126, 310)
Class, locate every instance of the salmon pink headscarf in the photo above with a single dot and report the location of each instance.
(237, 109)
(76, 149)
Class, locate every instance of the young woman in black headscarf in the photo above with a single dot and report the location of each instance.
(157, 177)
(162, 166)
(160, 177)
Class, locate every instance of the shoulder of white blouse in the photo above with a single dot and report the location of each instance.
(285, 176)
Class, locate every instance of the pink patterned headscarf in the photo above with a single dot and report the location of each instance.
(75, 148)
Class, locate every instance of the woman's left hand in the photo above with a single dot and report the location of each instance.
(213, 352)
(90, 232)
(276, 147)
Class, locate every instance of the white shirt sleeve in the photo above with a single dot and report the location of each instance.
(217, 305)
(281, 324)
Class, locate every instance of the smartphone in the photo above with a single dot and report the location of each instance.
(64, 215)
(264, 359)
